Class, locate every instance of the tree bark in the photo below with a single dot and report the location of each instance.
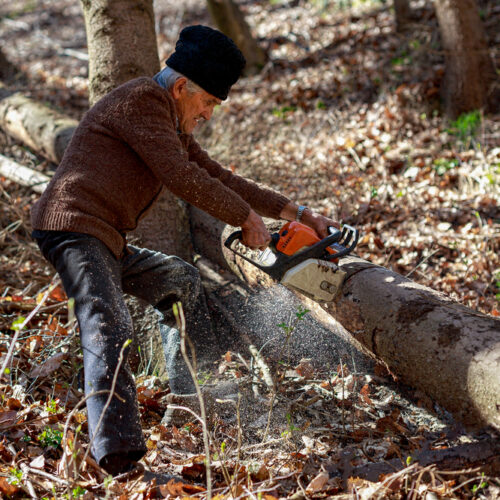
(427, 341)
(402, 12)
(470, 80)
(230, 20)
(42, 129)
(121, 43)
(7, 69)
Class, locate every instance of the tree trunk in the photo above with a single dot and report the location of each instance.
(402, 13)
(427, 341)
(121, 43)
(470, 75)
(7, 69)
(229, 19)
(44, 130)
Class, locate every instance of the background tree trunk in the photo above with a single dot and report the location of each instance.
(427, 340)
(230, 20)
(122, 45)
(470, 74)
(402, 13)
(7, 69)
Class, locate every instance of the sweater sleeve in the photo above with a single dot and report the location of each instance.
(143, 119)
(262, 199)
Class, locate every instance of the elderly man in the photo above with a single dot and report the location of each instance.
(132, 144)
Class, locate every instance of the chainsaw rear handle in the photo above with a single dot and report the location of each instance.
(238, 235)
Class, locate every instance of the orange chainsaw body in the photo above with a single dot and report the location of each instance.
(295, 236)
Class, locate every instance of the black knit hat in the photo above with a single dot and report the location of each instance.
(208, 58)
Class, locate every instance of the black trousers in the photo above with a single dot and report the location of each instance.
(96, 280)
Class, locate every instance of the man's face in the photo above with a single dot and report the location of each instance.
(192, 106)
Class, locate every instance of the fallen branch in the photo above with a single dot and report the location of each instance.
(23, 175)
(262, 365)
(41, 128)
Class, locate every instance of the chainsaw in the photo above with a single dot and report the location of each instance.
(297, 258)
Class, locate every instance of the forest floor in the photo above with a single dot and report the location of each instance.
(344, 118)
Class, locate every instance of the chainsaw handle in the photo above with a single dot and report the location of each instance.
(236, 235)
(348, 233)
(273, 271)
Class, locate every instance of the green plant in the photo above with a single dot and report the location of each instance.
(402, 60)
(78, 492)
(373, 193)
(320, 104)
(203, 377)
(291, 427)
(17, 324)
(481, 486)
(465, 126)
(497, 284)
(283, 111)
(52, 406)
(50, 438)
(15, 476)
(442, 165)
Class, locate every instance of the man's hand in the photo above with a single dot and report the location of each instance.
(315, 221)
(255, 234)
(318, 222)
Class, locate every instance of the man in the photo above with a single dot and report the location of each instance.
(129, 146)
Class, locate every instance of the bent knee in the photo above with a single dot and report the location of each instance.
(181, 283)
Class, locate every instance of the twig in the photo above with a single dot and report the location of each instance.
(29, 484)
(343, 395)
(46, 475)
(18, 331)
(480, 478)
(181, 324)
(421, 262)
(259, 361)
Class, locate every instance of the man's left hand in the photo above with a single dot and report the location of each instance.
(318, 222)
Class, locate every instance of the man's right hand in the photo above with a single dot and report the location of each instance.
(255, 234)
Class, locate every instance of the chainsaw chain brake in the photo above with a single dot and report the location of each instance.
(345, 244)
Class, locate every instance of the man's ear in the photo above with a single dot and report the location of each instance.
(179, 86)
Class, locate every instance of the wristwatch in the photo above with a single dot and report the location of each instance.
(300, 211)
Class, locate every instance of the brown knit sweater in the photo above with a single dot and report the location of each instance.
(125, 150)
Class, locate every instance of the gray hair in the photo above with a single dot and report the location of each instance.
(167, 77)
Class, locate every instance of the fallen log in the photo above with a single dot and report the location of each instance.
(427, 341)
(22, 175)
(41, 128)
